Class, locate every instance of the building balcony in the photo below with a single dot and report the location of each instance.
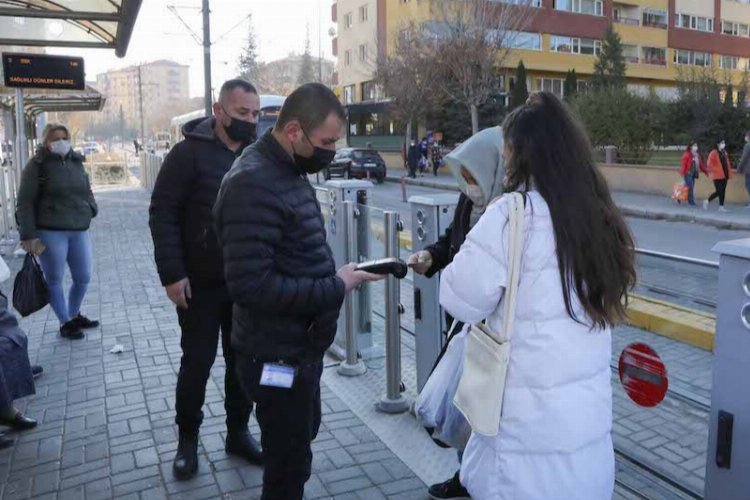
(655, 24)
(632, 59)
(654, 61)
(628, 21)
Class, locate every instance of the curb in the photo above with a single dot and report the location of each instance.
(685, 325)
(629, 211)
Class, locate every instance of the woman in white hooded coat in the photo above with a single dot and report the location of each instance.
(554, 440)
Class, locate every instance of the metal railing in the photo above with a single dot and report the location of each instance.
(628, 20)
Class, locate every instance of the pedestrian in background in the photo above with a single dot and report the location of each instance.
(478, 167)
(692, 166)
(191, 269)
(720, 170)
(743, 167)
(412, 159)
(55, 209)
(554, 438)
(281, 275)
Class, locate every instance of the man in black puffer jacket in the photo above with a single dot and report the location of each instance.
(281, 275)
(191, 269)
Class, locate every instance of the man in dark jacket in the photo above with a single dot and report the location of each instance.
(281, 276)
(190, 265)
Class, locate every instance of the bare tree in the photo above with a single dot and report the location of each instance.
(407, 77)
(471, 41)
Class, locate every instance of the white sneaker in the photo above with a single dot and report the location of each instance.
(705, 204)
(722, 209)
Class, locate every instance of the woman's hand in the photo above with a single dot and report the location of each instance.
(33, 246)
(421, 261)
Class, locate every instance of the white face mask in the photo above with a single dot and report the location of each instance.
(475, 194)
(60, 147)
(695, 149)
(722, 146)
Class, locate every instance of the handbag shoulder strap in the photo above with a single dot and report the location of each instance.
(515, 248)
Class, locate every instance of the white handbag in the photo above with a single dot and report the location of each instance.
(480, 392)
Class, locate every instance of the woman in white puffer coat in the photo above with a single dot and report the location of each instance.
(554, 440)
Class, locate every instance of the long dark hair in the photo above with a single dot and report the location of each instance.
(550, 150)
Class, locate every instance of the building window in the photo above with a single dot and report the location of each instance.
(571, 45)
(656, 56)
(348, 58)
(655, 18)
(735, 29)
(691, 58)
(370, 91)
(554, 85)
(729, 62)
(348, 21)
(591, 7)
(363, 14)
(521, 40)
(349, 94)
(694, 22)
(363, 52)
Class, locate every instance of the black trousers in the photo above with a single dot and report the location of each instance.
(209, 311)
(289, 420)
(721, 189)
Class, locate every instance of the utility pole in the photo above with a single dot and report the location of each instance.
(207, 57)
(140, 104)
(320, 45)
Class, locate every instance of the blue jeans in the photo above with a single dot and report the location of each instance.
(747, 182)
(690, 183)
(73, 247)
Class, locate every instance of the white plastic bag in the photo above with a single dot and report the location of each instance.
(4, 270)
(434, 405)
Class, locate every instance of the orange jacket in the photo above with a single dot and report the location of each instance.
(687, 162)
(714, 165)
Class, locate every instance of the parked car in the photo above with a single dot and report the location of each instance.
(357, 163)
(91, 147)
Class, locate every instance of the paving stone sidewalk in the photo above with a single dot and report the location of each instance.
(106, 421)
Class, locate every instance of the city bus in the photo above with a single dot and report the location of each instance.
(270, 106)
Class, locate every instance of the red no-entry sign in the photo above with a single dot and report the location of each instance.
(643, 375)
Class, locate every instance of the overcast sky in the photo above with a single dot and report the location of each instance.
(279, 27)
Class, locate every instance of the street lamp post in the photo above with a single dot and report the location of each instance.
(207, 58)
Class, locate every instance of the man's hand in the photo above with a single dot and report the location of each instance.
(179, 293)
(421, 261)
(353, 278)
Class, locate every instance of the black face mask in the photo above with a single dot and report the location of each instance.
(240, 130)
(317, 162)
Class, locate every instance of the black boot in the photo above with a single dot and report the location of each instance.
(451, 489)
(242, 444)
(70, 330)
(186, 461)
(5, 441)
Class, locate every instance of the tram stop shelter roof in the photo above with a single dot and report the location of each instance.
(106, 24)
(38, 101)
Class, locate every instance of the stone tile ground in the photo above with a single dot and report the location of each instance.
(106, 420)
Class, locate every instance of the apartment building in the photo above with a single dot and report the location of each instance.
(164, 85)
(661, 39)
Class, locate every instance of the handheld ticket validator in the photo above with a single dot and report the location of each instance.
(391, 265)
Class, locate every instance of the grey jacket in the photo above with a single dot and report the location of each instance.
(743, 166)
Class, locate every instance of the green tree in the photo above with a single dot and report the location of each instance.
(570, 87)
(306, 70)
(248, 66)
(519, 92)
(610, 67)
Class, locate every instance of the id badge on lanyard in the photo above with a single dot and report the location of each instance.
(278, 375)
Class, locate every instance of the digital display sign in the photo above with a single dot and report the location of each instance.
(43, 71)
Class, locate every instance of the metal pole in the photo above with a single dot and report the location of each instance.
(353, 365)
(320, 45)
(21, 145)
(4, 198)
(393, 401)
(140, 105)
(207, 57)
